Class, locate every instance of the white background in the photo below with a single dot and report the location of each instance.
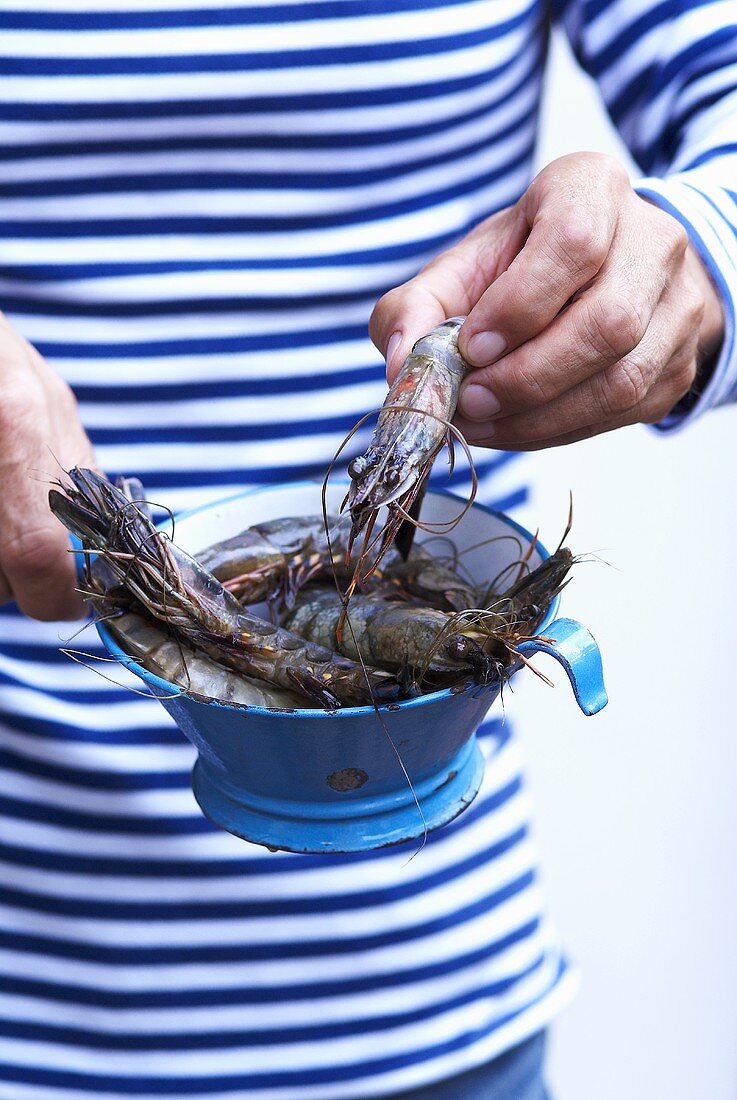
(636, 807)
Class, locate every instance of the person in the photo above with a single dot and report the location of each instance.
(200, 204)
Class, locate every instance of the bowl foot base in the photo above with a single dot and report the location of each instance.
(298, 827)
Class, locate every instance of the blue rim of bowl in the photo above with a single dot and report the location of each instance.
(173, 692)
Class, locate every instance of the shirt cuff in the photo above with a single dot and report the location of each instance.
(705, 215)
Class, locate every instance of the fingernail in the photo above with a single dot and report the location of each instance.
(478, 403)
(394, 341)
(485, 347)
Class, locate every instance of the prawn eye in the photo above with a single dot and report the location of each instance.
(393, 477)
(530, 611)
(356, 466)
(459, 647)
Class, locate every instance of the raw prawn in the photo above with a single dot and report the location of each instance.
(393, 635)
(193, 672)
(413, 425)
(277, 558)
(172, 587)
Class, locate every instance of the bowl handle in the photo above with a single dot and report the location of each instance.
(575, 648)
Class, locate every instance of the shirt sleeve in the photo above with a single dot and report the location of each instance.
(667, 70)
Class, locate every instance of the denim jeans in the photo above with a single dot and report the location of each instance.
(516, 1075)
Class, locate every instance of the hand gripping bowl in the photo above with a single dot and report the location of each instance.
(310, 781)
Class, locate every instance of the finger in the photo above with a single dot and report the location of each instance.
(570, 437)
(571, 229)
(602, 326)
(644, 385)
(649, 412)
(34, 547)
(401, 318)
(449, 286)
(599, 329)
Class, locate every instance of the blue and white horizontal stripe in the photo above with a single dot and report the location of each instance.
(199, 204)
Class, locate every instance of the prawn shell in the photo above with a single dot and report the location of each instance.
(388, 634)
(413, 422)
(431, 581)
(195, 673)
(246, 553)
(265, 558)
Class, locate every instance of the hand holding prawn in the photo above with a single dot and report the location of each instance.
(587, 310)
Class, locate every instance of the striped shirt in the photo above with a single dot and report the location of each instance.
(199, 204)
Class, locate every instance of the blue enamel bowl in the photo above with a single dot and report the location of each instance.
(353, 780)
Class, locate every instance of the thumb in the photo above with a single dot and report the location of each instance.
(401, 317)
(449, 286)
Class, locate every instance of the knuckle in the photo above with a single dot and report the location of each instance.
(696, 313)
(580, 243)
(523, 383)
(654, 416)
(602, 169)
(614, 325)
(656, 412)
(608, 166)
(627, 386)
(680, 239)
(672, 235)
(693, 306)
(662, 404)
(582, 167)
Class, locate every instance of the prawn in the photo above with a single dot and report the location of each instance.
(277, 558)
(149, 568)
(413, 425)
(199, 676)
(393, 635)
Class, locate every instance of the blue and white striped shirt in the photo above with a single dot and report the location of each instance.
(199, 204)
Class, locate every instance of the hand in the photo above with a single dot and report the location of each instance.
(587, 310)
(40, 435)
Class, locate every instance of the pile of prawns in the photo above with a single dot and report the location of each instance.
(347, 625)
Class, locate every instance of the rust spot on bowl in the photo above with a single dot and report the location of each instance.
(347, 779)
(448, 779)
